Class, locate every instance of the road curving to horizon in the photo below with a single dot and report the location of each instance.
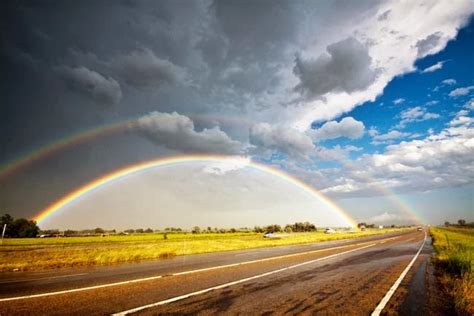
(338, 277)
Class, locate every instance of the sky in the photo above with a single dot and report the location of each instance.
(369, 102)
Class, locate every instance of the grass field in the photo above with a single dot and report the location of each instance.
(48, 253)
(455, 261)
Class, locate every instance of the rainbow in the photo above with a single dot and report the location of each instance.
(49, 149)
(79, 137)
(13, 166)
(389, 194)
(167, 161)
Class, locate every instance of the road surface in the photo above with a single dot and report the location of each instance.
(350, 277)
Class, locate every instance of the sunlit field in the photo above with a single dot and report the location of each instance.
(47, 253)
(455, 259)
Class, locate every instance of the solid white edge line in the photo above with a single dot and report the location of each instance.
(178, 298)
(394, 287)
(94, 287)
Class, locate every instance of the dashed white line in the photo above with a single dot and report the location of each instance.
(394, 287)
(182, 297)
(100, 286)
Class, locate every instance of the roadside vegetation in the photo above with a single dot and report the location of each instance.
(454, 260)
(58, 252)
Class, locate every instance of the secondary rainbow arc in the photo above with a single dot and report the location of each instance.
(142, 166)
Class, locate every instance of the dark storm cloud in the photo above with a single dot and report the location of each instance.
(104, 90)
(346, 67)
(175, 131)
(269, 24)
(143, 69)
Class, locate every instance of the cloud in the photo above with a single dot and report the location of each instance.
(177, 132)
(462, 118)
(461, 91)
(373, 131)
(433, 68)
(432, 102)
(449, 82)
(91, 84)
(336, 153)
(143, 69)
(437, 161)
(385, 218)
(429, 44)
(223, 167)
(288, 141)
(390, 135)
(398, 101)
(345, 67)
(393, 47)
(384, 15)
(387, 138)
(469, 104)
(415, 114)
(347, 127)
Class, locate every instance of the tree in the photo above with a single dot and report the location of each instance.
(461, 222)
(24, 228)
(149, 230)
(8, 220)
(447, 223)
(301, 227)
(20, 227)
(99, 230)
(196, 230)
(69, 232)
(273, 228)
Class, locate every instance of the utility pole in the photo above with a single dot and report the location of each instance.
(3, 232)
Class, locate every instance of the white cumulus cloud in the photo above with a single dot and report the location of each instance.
(433, 68)
(461, 91)
(288, 141)
(347, 127)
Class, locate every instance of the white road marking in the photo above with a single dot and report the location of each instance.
(178, 298)
(94, 287)
(79, 289)
(394, 287)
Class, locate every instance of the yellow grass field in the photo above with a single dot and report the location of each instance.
(455, 261)
(49, 253)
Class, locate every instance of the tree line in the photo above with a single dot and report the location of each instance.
(19, 227)
(461, 223)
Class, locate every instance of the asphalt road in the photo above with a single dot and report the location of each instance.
(343, 277)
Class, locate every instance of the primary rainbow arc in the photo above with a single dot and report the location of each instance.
(120, 173)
